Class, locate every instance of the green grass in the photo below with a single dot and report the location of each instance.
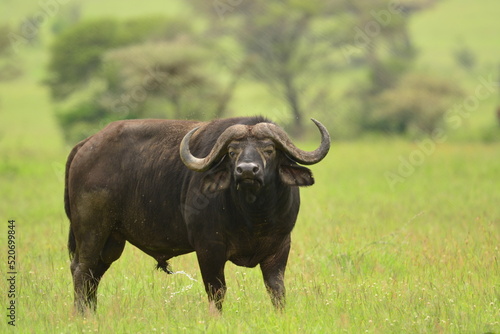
(440, 31)
(416, 258)
(419, 257)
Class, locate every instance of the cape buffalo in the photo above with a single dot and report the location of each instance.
(226, 189)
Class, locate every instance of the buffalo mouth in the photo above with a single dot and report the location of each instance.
(248, 183)
(249, 188)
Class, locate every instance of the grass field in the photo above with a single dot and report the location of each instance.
(418, 256)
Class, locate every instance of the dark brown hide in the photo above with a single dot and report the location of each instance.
(128, 183)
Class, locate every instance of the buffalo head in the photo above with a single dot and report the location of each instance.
(252, 157)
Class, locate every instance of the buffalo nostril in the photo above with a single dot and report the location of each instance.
(247, 169)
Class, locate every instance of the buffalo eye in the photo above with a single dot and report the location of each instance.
(232, 154)
(269, 151)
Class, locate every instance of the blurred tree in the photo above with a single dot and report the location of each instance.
(77, 53)
(9, 68)
(4, 40)
(292, 46)
(381, 40)
(106, 70)
(173, 73)
(416, 105)
(68, 16)
(465, 57)
(289, 47)
(285, 44)
(381, 37)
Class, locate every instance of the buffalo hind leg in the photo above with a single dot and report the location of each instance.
(273, 272)
(88, 270)
(86, 280)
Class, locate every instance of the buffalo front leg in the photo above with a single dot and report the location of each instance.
(273, 272)
(212, 271)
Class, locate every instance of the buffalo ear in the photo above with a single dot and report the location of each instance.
(294, 175)
(216, 181)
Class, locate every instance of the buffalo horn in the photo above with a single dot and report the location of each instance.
(219, 149)
(280, 137)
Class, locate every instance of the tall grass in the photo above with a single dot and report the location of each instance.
(417, 258)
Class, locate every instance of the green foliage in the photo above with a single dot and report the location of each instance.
(290, 45)
(10, 68)
(282, 46)
(393, 99)
(76, 54)
(175, 72)
(83, 119)
(67, 17)
(465, 57)
(4, 39)
(108, 69)
(417, 104)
